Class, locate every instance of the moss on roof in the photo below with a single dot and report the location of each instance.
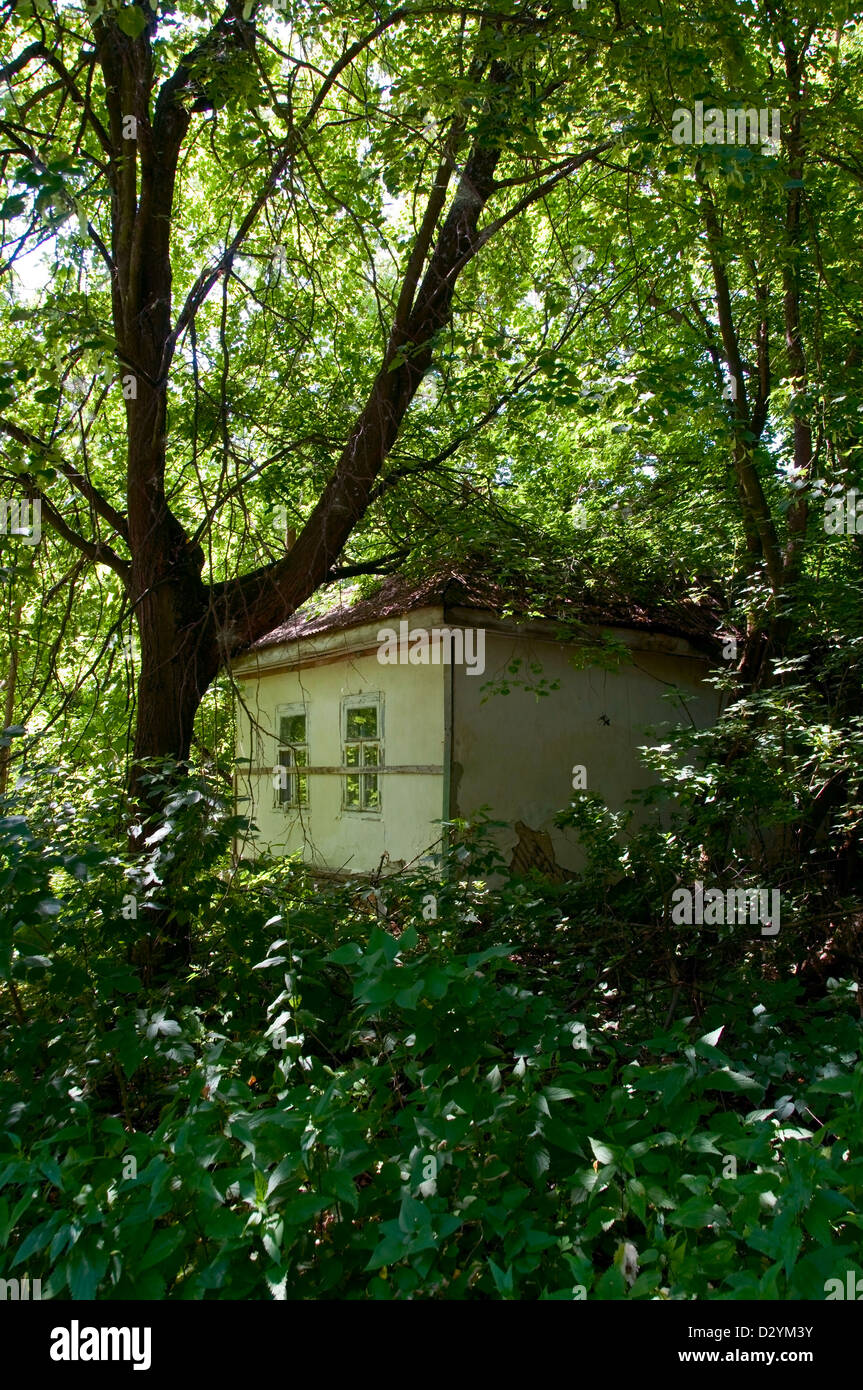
(573, 605)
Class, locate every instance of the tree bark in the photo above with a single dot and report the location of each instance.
(9, 688)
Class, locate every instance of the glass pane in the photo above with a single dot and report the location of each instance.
(371, 754)
(352, 791)
(352, 755)
(301, 757)
(363, 723)
(292, 728)
(371, 796)
(286, 793)
(303, 790)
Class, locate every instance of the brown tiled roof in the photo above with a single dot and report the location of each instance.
(699, 623)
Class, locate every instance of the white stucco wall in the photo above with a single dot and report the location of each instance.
(515, 753)
(333, 667)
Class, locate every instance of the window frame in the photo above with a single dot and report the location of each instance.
(292, 802)
(373, 700)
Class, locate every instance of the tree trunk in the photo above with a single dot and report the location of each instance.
(10, 686)
(178, 663)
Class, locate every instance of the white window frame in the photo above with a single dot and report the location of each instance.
(352, 702)
(293, 804)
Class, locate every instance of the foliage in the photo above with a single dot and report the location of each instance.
(647, 383)
(574, 411)
(350, 1096)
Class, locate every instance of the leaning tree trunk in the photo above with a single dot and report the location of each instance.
(179, 659)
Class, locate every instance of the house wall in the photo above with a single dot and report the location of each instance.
(321, 673)
(515, 753)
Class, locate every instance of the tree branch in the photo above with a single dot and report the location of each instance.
(385, 564)
(751, 491)
(72, 475)
(97, 551)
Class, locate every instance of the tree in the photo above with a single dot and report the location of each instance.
(351, 272)
(128, 119)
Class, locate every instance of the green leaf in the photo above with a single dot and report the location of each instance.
(502, 1278)
(84, 1270)
(304, 1208)
(348, 954)
(558, 1093)
(696, 1213)
(51, 1168)
(833, 1085)
(727, 1080)
(162, 1245)
(601, 1152)
(13, 207)
(132, 21)
(36, 1241)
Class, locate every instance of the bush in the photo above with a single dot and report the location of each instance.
(421, 1092)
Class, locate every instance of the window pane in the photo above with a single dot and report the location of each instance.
(295, 790)
(292, 728)
(352, 755)
(352, 791)
(371, 754)
(363, 723)
(371, 797)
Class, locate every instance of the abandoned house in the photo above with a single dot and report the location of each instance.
(361, 729)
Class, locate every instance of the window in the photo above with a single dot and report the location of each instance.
(362, 729)
(292, 788)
